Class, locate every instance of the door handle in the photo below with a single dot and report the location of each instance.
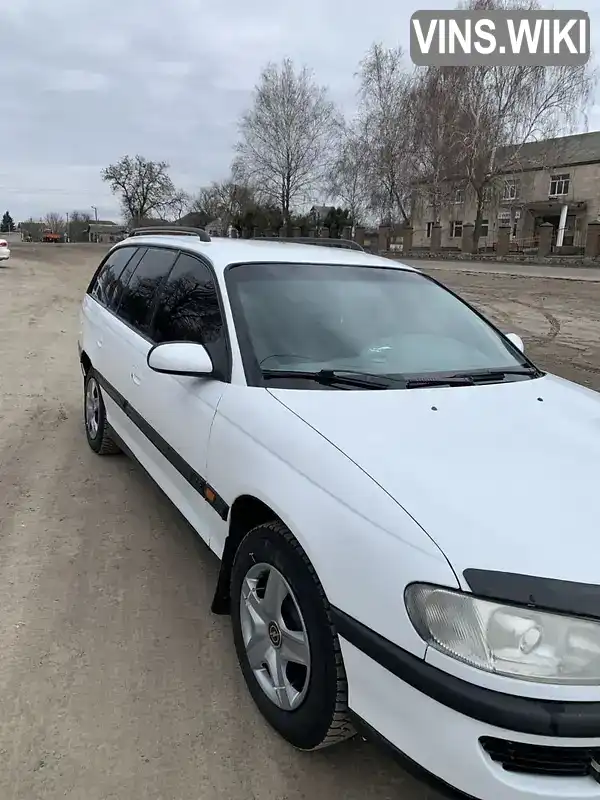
(99, 342)
(135, 379)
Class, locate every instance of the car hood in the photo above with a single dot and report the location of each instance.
(502, 477)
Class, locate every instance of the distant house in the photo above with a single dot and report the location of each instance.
(194, 219)
(218, 228)
(549, 181)
(149, 222)
(106, 232)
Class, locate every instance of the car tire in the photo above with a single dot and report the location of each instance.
(97, 429)
(309, 707)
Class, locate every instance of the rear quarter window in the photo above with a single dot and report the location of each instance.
(103, 284)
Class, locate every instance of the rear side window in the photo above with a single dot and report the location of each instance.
(137, 302)
(188, 310)
(118, 288)
(102, 286)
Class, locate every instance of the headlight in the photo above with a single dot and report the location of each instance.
(507, 640)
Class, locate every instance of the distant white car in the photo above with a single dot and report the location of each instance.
(406, 509)
(4, 250)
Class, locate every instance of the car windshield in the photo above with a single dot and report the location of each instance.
(370, 320)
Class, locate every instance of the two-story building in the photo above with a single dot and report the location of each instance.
(555, 181)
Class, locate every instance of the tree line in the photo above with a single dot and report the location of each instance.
(416, 135)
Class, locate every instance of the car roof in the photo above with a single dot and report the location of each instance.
(223, 251)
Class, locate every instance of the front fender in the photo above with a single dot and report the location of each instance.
(364, 547)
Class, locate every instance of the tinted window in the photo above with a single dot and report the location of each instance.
(188, 309)
(103, 285)
(137, 302)
(116, 293)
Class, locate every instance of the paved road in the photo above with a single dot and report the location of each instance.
(116, 682)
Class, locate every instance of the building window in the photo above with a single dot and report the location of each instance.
(429, 229)
(485, 228)
(459, 195)
(456, 229)
(511, 190)
(487, 195)
(559, 185)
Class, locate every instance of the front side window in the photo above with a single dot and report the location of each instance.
(137, 303)
(385, 322)
(188, 309)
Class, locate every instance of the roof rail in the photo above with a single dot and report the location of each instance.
(346, 244)
(171, 230)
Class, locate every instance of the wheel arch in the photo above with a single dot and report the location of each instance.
(86, 363)
(247, 511)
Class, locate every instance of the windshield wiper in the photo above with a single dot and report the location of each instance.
(332, 377)
(471, 378)
(481, 376)
(368, 380)
(450, 380)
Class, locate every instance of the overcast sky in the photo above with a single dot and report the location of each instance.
(84, 83)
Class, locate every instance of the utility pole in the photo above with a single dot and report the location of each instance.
(68, 231)
(95, 212)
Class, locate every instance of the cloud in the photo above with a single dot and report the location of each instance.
(76, 80)
(85, 83)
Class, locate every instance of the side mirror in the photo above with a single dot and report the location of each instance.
(181, 358)
(516, 340)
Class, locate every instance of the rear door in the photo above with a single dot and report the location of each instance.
(99, 306)
(178, 411)
(127, 340)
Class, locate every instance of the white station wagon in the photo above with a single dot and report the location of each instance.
(406, 509)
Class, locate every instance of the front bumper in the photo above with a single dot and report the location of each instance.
(455, 731)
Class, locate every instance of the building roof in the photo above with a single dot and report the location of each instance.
(225, 251)
(192, 219)
(106, 227)
(564, 151)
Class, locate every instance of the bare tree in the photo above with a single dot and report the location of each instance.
(347, 178)
(385, 128)
(234, 201)
(504, 108)
(55, 222)
(80, 216)
(177, 206)
(227, 201)
(436, 148)
(286, 137)
(144, 187)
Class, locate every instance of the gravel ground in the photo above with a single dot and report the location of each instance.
(115, 679)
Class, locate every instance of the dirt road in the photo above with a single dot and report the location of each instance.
(116, 682)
